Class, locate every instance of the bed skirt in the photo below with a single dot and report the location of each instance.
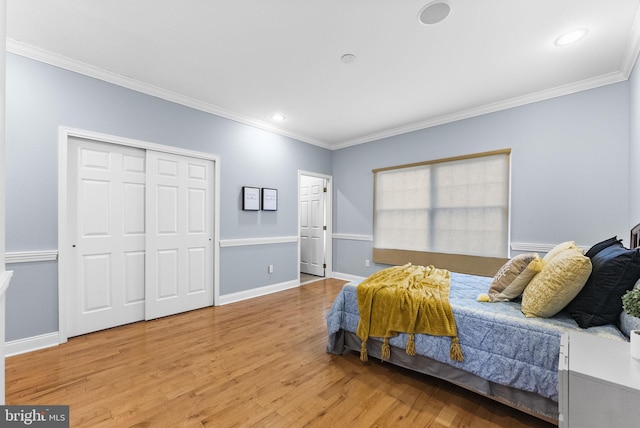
(525, 401)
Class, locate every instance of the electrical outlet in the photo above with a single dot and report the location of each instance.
(366, 263)
(270, 269)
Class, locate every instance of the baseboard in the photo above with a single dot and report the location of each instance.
(29, 344)
(348, 277)
(257, 292)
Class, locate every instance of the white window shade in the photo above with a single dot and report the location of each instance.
(458, 206)
(402, 209)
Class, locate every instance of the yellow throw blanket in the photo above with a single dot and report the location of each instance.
(406, 299)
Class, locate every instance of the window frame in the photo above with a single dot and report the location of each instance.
(473, 264)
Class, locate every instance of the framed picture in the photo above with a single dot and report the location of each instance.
(250, 198)
(269, 199)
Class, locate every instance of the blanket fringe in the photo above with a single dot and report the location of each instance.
(386, 350)
(455, 353)
(411, 345)
(363, 351)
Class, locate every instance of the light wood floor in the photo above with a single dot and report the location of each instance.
(260, 362)
(305, 278)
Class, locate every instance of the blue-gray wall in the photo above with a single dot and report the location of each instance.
(40, 98)
(571, 176)
(570, 173)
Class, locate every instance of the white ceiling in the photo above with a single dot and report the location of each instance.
(248, 59)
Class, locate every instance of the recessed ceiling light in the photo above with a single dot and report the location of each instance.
(434, 12)
(278, 117)
(571, 37)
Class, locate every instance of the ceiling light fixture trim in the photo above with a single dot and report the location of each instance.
(348, 58)
(571, 37)
(434, 12)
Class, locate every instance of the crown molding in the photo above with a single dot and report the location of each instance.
(558, 91)
(633, 47)
(38, 54)
(42, 55)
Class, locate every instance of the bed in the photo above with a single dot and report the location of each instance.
(507, 356)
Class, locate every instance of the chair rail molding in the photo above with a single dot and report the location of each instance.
(31, 256)
(241, 242)
(536, 248)
(352, 237)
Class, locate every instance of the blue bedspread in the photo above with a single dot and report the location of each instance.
(498, 342)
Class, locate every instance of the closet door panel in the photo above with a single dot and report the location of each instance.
(106, 216)
(180, 239)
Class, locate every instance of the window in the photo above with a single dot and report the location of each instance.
(455, 206)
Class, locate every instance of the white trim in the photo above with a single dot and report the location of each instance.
(216, 231)
(31, 256)
(64, 134)
(535, 248)
(633, 48)
(328, 208)
(38, 54)
(63, 271)
(348, 277)
(5, 279)
(353, 237)
(559, 91)
(30, 344)
(257, 292)
(241, 242)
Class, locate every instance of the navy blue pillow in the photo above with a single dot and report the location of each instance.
(601, 246)
(615, 269)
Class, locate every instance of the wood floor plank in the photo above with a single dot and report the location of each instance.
(256, 363)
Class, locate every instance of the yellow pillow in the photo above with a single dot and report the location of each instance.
(563, 246)
(513, 277)
(557, 284)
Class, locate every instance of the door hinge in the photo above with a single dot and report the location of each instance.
(324, 190)
(324, 265)
(324, 227)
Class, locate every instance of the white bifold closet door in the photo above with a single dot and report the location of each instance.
(106, 215)
(141, 227)
(179, 234)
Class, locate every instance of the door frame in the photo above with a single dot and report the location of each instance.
(328, 211)
(64, 250)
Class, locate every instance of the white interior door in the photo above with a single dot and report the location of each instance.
(312, 225)
(106, 224)
(179, 271)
